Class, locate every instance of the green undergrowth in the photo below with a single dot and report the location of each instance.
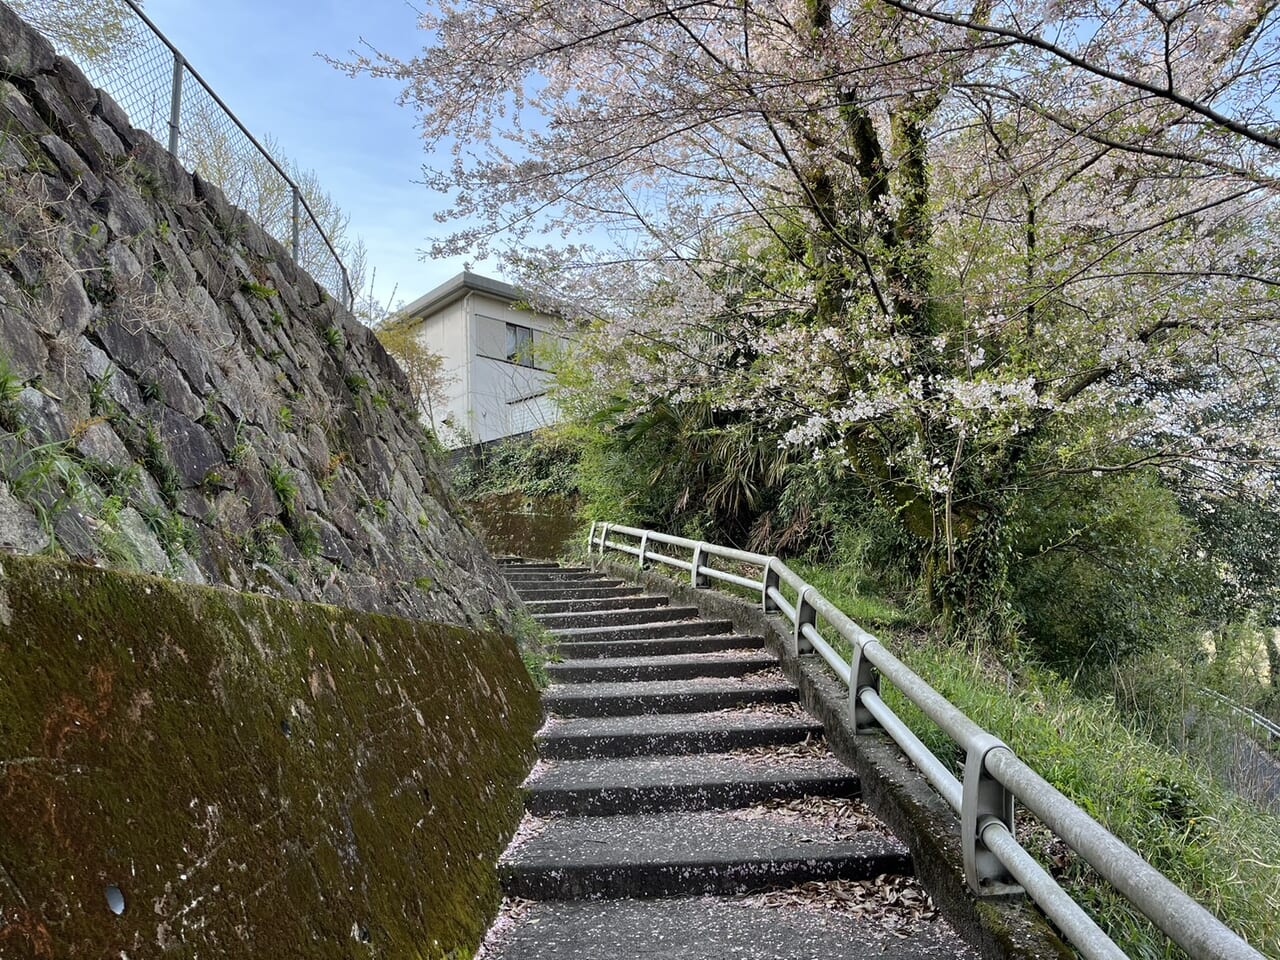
(537, 647)
(1222, 850)
(843, 586)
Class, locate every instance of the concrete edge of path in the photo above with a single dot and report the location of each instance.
(998, 928)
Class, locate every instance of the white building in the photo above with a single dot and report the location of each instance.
(494, 358)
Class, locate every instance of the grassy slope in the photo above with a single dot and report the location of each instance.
(1220, 849)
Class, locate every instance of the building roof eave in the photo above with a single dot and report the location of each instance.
(456, 288)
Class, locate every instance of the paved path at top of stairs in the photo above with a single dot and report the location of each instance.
(685, 806)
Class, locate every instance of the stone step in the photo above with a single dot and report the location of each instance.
(729, 663)
(697, 782)
(646, 631)
(608, 589)
(516, 563)
(671, 734)
(591, 649)
(663, 696)
(678, 854)
(552, 576)
(704, 928)
(626, 616)
(541, 570)
(633, 602)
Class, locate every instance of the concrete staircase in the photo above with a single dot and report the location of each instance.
(678, 773)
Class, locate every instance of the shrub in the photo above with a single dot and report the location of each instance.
(1105, 570)
(545, 464)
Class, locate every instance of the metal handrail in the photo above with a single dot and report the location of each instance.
(994, 777)
(1264, 724)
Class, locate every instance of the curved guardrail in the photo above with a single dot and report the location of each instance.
(1259, 722)
(994, 777)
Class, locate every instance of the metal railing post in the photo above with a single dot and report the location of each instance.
(604, 538)
(175, 103)
(644, 548)
(862, 676)
(806, 615)
(591, 538)
(772, 580)
(984, 799)
(695, 569)
(297, 219)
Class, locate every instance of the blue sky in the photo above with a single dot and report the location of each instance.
(261, 59)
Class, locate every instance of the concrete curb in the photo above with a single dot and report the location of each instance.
(1000, 929)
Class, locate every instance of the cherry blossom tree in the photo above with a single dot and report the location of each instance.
(954, 250)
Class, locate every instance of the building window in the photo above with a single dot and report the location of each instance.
(519, 345)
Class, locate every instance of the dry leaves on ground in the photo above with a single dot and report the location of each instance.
(897, 904)
(810, 748)
(1046, 846)
(767, 675)
(529, 828)
(510, 915)
(736, 654)
(782, 711)
(538, 771)
(831, 818)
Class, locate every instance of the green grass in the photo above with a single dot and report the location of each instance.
(155, 458)
(306, 536)
(285, 486)
(259, 290)
(844, 586)
(10, 386)
(173, 533)
(537, 647)
(1220, 849)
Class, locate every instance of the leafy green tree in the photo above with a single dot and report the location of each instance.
(424, 368)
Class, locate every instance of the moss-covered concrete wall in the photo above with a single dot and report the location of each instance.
(257, 777)
(517, 524)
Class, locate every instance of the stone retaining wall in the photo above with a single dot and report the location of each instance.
(177, 397)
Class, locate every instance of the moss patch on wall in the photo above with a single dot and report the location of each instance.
(256, 777)
(518, 524)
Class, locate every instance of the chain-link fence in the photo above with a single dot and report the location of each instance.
(151, 80)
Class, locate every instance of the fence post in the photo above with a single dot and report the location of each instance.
(604, 538)
(644, 548)
(346, 285)
(297, 219)
(806, 615)
(984, 799)
(695, 576)
(772, 580)
(175, 104)
(862, 676)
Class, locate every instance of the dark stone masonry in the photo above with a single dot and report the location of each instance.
(178, 398)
